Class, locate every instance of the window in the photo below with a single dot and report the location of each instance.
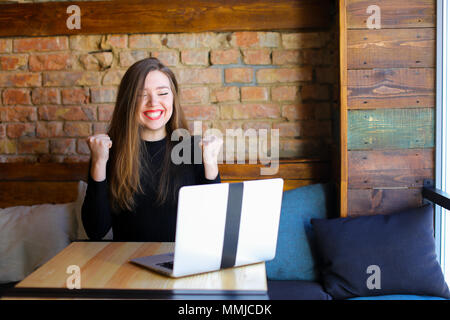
(442, 225)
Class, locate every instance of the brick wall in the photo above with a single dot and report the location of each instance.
(56, 91)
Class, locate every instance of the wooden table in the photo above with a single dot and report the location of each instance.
(106, 273)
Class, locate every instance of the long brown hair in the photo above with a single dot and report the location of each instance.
(127, 161)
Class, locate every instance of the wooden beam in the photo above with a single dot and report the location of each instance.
(343, 110)
(156, 16)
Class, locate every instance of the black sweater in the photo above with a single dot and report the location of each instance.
(147, 222)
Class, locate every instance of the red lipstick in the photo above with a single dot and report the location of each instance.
(154, 114)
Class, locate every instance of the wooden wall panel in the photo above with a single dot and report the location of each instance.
(155, 16)
(391, 128)
(382, 201)
(390, 168)
(391, 88)
(404, 48)
(391, 104)
(394, 14)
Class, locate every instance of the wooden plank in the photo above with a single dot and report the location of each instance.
(155, 16)
(382, 201)
(391, 129)
(393, 13)
(43, 171)
(286, 170)
(390, 168)
(391, 88)
(288, 184)
(387, 48)
(21, 193)
(343, 116)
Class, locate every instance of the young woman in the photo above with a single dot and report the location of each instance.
(133, 182)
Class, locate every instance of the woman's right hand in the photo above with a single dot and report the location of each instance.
(99, 145)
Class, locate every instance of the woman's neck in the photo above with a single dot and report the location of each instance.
(153, 135)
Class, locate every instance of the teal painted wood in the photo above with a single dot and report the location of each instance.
(391, 128)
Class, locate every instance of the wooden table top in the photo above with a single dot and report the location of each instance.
(105, 266)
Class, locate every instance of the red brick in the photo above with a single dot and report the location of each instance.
(77, 129)
(198, 76)
(50, 61)
(127, 58)
(245, 39)
(85, 42)
(7, 146)
(67, 113)
(49, 129)
(194, 95)
(285, 93)
(18, 159)
(5, 45)
(168, 58)
(199, 112)
(33, 146)
(75, 96)
(17, 130)
(100, 127)
(298, 111)
(195, 40)
(256, 56)
(96, 61)
(14, 62)
(243, 75)
(251, 39)
(114, 41)
(45, 96)
(62, 146)
(71, 78)
(20, 114)
(82, 147)
(284, 75)
(16, 96)
(103, 95)
(226, 56)
(195, 57)
(254, 94)
(288, 129)
(224, 94)
(250, 111)
(144, 41)
(41, 44)
(105, 112)
(323, 111)
(257, 125)
(280, 57)
(2, 130)
(75, 159)
(23, 79)
(113, 77)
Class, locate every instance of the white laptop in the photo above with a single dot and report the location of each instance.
(220, 226)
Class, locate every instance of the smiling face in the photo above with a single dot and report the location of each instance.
(155, 105)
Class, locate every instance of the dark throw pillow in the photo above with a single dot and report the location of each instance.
(380, 255)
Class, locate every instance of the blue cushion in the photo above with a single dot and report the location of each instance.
(398, 297)
(296, 290)
(294, 259)
(380, 255)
